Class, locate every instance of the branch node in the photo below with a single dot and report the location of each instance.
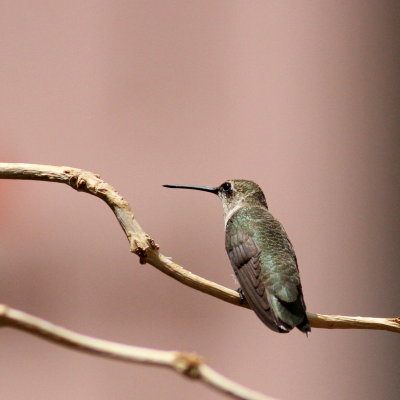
(72, 179)
(76, 181)
(139, 250)
(188, 364)
(152, 243)
(81, 184)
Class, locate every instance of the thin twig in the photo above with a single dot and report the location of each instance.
(343, 322)
(147, 250)
(188, 364)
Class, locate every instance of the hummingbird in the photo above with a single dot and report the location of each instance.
(261, 255)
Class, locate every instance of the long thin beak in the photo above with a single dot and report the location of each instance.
(203, 188)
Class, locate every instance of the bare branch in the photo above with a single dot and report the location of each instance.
(343, 322)
(188, 364)
(146, 248)
(88, 182)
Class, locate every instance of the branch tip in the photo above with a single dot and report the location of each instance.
(3, 315)
(3, 310)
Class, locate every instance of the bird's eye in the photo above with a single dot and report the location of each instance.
(226, 187)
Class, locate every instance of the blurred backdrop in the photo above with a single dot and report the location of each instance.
(299, 96)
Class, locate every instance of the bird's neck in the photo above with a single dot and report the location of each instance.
(230, 209)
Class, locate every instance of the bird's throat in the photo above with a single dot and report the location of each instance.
(229, 211)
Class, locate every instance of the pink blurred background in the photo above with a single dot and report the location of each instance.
(299, 96)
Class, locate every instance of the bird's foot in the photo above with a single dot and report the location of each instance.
(241, 294)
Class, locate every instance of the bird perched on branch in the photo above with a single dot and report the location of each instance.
(261, 255)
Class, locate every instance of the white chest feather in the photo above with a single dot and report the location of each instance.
(229, 212)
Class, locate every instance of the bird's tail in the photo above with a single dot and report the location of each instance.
(304, 326)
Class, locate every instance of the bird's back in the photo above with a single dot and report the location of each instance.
(265, 264)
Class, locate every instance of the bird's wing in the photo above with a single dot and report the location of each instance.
(283, 280)
(244, 255)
